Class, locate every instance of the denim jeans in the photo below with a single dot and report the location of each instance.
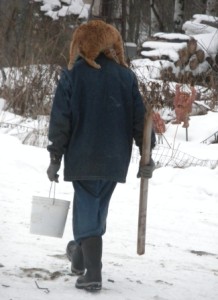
(90, 207)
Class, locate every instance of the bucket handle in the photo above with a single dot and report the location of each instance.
(50, 192)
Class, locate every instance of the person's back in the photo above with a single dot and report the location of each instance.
(107, 113)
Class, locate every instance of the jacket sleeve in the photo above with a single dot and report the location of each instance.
(138, 118)
(59, 132)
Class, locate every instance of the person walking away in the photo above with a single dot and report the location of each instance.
(96, 115)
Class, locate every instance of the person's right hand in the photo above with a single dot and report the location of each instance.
(52, 171)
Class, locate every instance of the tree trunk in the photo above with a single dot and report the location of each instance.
(178, 15)
(156, 23)
(200, 55)
(193, 63)
(94, 11)
(192, 46)
(124, 19)
(184, 55)
(107, 10)
(211, 7)
(134, 20)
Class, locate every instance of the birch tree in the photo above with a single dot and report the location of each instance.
(95, 6)
(178, 17)
(211, 7)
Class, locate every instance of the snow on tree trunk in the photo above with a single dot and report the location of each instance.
(178, 15)
(211, 7)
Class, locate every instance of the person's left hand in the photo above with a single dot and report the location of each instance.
(146, 171)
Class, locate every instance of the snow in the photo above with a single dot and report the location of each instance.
(181, 253)
(172, 36)
(154, 45)
(61, 8)
(129, 44)
(199, 17)
(147, 69)
(173, 55)
(206, 36)
(208, 43)
(201, 127)
(195, 26)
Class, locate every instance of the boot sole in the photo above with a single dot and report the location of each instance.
(91, 286)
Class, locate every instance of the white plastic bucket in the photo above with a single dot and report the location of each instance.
(48, 216)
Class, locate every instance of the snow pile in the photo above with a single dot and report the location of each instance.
(61, 8)
(195, 26)
(206, 36)
(161, 49)
(185, 56)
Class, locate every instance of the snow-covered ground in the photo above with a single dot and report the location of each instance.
(181, 254)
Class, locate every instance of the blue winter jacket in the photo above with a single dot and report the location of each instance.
(95, 116)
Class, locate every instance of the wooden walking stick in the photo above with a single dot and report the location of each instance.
(146, 148)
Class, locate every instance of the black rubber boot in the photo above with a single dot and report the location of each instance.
(92, 253)
(75, 255)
